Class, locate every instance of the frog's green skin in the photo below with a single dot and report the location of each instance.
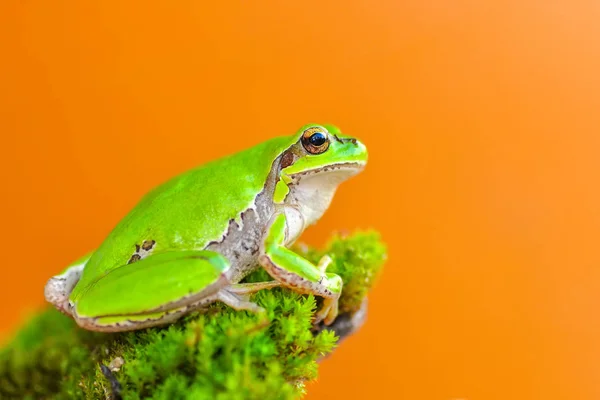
(191, 240)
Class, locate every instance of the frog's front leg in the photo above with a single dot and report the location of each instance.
(297, 273)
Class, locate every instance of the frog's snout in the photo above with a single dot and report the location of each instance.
(358, 150)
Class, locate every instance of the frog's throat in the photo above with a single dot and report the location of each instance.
(312, 190)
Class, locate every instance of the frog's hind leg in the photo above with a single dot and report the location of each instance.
(234, 295)
(59, 287)
(155, 290)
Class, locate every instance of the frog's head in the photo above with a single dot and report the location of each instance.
(322, 149)
(319, 160)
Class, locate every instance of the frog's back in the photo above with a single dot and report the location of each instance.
(189, 211)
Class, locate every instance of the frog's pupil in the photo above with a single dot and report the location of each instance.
(317, 139)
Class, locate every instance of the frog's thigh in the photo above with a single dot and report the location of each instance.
(296, 272)
(153, 291)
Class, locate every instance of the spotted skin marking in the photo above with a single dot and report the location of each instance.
(148, 245)
(142, 251)
(134, 258)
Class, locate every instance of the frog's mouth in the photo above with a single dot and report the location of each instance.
(346, 169)
(325, 179)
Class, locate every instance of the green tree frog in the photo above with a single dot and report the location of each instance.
(190, 241)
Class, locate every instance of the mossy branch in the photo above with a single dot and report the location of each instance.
(219, 354)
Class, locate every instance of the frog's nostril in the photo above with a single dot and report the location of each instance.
(346, 140)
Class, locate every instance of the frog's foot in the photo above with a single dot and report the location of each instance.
(59, 287)
(238, 302)
(237, 295)
(299, 274)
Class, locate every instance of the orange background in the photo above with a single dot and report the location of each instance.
(482, 122)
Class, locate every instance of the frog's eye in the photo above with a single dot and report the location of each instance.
(315, 140)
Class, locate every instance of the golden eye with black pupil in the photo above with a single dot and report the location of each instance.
(315, 141)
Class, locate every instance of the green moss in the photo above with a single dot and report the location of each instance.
(220, 354)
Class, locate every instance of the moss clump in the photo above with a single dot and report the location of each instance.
(219, 354)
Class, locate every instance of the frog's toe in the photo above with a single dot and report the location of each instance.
(326, 314)
(237, 302)
(59, 288)
(55, 293)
